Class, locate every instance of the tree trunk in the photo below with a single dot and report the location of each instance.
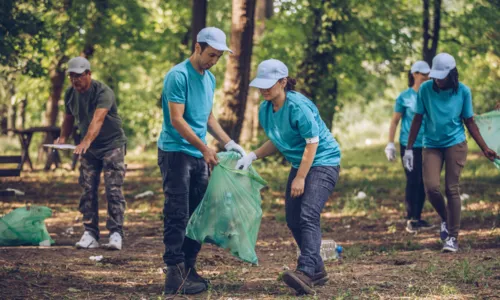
(11, 120)
(198, 19)
(21, 113)
(237, 76)
(11, 111)
(429, 51)
(57, 76)
(3, 118)
(318, 64)
(249, 132)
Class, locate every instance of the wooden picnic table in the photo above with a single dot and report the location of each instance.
(25, 136)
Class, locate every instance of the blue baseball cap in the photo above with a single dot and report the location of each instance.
(421, 67)
(442, 64)
(268, 73)
(214, 37)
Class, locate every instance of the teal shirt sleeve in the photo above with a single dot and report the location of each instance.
(304, 119)
(105, 98)
(467, 111)
(420, 108)
(399, 107)
(174, 88)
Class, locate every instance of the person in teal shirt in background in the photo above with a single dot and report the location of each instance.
(294, 127)
(446, 104)
(404, 110)
(184, 157)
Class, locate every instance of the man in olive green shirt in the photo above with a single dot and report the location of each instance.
(92, 105)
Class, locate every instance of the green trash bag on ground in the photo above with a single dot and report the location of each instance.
(25, 226)
(230, 213)
(489, 126)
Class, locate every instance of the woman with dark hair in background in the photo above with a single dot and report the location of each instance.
(404, 110)
(294, 127)
(446, 104)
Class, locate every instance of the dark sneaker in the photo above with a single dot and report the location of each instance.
(412, 226)
(424, 225)
(320, 278)
(177, 282)
(299, 281)
(195, 277)
(443, 232)
(450, 245)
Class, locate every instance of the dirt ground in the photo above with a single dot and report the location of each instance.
(381, 260)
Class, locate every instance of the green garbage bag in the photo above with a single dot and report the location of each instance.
(489, 126)
(25, 226)
(230, 213)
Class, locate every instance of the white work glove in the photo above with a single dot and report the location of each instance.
(390, 152)
(408, 160)
(245, 161)
(232, 146)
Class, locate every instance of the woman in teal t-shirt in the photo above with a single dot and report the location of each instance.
(404, 110)
(294, 127)
(447, 105)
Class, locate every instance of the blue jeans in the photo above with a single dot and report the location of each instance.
(303, 214)
(185, 180)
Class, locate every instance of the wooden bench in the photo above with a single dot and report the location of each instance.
(10, 172)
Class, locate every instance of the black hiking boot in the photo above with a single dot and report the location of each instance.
(177, 282)
(194, 276)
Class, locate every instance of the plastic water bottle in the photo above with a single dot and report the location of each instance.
(329, 250)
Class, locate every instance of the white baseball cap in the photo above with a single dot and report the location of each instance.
(78, 65)
(442, 64)
(420, 66)
(268, 73)
(214, 37)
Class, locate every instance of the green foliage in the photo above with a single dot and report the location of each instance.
(21, 33)
(348, 55)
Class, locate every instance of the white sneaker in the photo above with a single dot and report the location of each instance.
(115, 242)
(87, 242)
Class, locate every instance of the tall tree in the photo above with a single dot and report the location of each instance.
(237, 76)
(319, 60)
(249, 132)
(429, 51)
(198, 19)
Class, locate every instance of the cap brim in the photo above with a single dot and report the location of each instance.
(263, 83)
(438, 74)
(76, 70)
(422, 71)
(220, 47)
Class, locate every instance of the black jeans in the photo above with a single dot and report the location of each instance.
(415, 191)
(185, 180)
(303, 214)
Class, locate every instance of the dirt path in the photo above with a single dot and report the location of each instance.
(381, 260)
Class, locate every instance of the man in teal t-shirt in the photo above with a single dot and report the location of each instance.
(184, 158)
(92, 105)
(447, 105)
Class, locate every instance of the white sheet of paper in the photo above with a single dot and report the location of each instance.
(60, 146)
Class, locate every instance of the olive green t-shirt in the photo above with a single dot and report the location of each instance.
(83, 106)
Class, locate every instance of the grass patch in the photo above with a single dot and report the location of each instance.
(466, 272)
